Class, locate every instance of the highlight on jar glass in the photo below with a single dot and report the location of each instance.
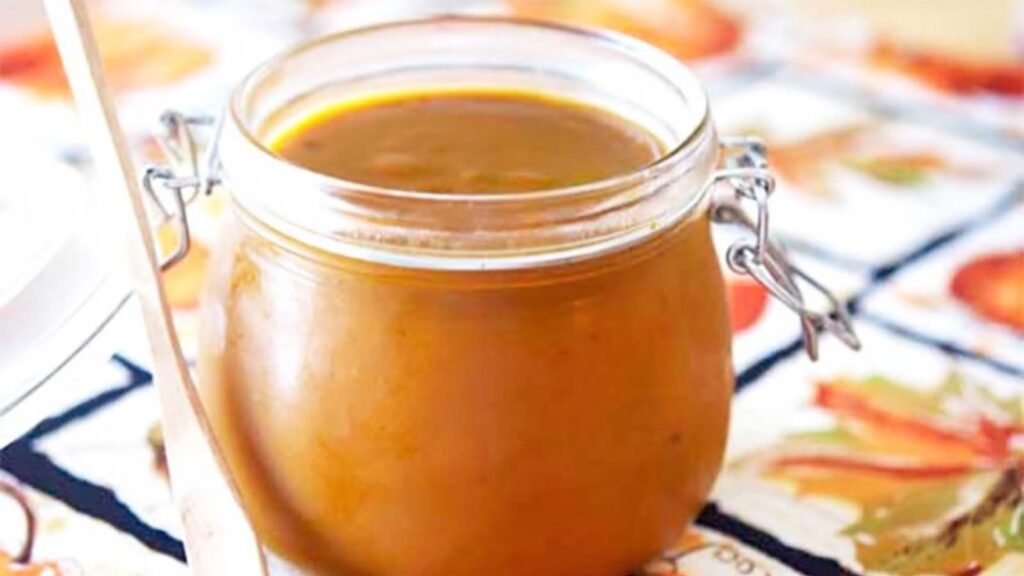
(465, 316)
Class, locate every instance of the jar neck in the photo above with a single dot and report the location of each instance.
(479, 231)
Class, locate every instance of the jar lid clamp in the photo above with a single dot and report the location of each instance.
(748, 176)
(181, 145)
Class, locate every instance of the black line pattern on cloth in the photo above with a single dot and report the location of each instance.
(22, 461)
(799, 560)
(30, 467)
(137, 378)
(949, 348)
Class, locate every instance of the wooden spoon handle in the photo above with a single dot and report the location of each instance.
(218, 539)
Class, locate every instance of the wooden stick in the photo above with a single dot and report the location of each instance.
(219, 540)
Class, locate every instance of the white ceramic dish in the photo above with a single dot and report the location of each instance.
(59, 286)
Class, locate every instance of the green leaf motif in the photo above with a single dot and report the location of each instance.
(937, 472)
(975, 538)
(894, 171)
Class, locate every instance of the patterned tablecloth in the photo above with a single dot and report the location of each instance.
(901, 184)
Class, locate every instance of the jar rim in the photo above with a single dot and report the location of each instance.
(682, 79)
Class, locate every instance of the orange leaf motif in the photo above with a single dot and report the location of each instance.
(747, 301)
(688, 29)
(993, 287)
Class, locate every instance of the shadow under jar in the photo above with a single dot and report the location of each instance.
(438, 383)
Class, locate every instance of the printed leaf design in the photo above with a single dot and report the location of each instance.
(688, 29)
(136, 54)
(19, 563)
(952, 75)
(992, 285)
(938, 474)
(747, 301)
(900, 170)
(808, 162)
(805, 162)
(695, 553)
(155, 439)
(965, 543)
(9, 568)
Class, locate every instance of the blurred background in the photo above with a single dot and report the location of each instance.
(896, 128)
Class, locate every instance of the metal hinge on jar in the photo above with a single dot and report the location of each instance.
(747, 175)
(170, 191)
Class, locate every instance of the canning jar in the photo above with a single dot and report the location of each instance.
(438, 384)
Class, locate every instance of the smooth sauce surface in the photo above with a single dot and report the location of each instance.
(467, 142)
(564, 421)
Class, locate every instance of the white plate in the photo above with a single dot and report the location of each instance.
(59, 285)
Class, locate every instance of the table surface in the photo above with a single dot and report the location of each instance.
(907, 198)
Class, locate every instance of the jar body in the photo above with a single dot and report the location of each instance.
(564, 420)
(428, 384)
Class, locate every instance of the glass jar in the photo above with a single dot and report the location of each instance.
(422, 384)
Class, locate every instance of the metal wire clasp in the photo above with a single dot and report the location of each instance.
(201, 172)
(747, 175)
